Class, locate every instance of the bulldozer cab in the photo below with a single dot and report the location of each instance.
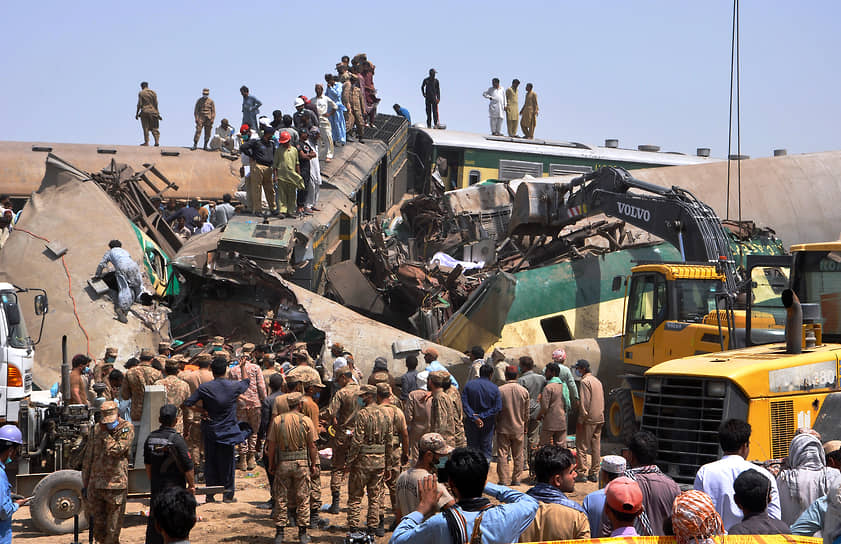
(663, 301)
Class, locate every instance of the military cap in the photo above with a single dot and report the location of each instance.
(293, 399)
(111, 352)
(203, 357)
(343, 371)
(171, 365)
(439, 377)
(146, 353)
(380, 363)
(163, 346)
(435, 443)
(178, 357)
(366, 390)
(205, 91)
(108, 411)
(379, 377)
(248, 347)
(383, 389)
(217, 341)
(222, 353)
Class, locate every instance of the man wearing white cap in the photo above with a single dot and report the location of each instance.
(613, 466)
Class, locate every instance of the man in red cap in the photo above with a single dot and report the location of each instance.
(623, 503)
(287, 172)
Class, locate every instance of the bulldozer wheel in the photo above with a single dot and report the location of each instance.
(57, 498)
(621, 420)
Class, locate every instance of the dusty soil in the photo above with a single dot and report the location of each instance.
(236, 522)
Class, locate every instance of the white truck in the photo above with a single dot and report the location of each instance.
(17, 349)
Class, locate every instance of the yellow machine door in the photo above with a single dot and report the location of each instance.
(646, 310)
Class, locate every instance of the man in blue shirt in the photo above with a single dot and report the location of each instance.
(220, 428)
(402, 112)
(250, 107)
(613, 466)
(473, 515)
(481, 401)
(10, 442)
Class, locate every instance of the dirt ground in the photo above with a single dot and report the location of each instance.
(236, 522)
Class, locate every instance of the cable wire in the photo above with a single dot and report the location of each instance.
(69, 291)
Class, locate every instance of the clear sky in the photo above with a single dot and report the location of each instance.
(646, 72)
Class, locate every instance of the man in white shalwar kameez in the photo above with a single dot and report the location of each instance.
(496, 106)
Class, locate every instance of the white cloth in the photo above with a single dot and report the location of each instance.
(496, 107)
(716, 480)
(325, 108)
(314, 183)
(808, 478)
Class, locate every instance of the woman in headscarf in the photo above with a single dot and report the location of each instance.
(694, 518)
(806, 479)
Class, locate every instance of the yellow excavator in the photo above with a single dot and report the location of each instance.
(671, 309)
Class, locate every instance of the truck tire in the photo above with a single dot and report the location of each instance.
(57, 498)
(621, 422)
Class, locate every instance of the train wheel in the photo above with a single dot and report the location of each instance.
(621, 420)
(56, 500)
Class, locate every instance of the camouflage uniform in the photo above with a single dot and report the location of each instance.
(343, 407)
(455, 396)
(398, 427)
(291, 432)
(192, 420)
(248, 407)
(310, 409)
(177, 391)
(369, 456)
(444, 414)
(105, 477)
(134, 387)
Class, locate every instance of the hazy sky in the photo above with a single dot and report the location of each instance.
(646, 72)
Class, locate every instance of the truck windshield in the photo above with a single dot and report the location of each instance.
(695, 299)
(817, 279)
(18, 337)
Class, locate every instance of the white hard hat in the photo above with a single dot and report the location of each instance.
(299, 102)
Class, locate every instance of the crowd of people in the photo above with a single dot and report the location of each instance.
(423, 439)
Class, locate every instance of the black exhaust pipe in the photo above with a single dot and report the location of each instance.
(65, 372)
(794, 322)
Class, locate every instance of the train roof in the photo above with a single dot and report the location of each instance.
(471, 140)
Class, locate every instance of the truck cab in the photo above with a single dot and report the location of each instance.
(775, 390)
(16, 351)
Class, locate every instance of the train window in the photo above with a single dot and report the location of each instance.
(556, 329)
(563, 169)
(473, 177)
(510, 169)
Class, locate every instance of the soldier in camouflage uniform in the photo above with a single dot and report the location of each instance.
(455, 396)
(399, 445)
(135, 382)
(101, 370)
(248, 405)
(341, 413)
(192, 419)
(369, 457)
(444, 412)
(105, 474)
(177, 392)
(293, 462)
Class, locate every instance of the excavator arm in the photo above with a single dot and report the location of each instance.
(674, 214)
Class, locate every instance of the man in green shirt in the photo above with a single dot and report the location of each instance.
(287, 173)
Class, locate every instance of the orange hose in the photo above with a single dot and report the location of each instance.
(69, 291)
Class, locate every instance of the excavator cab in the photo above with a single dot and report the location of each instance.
(672, 311)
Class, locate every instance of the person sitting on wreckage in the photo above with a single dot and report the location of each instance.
(127, 275)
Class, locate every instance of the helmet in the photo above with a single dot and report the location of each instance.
(284, 137)
(299, 102)
(10, 433)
